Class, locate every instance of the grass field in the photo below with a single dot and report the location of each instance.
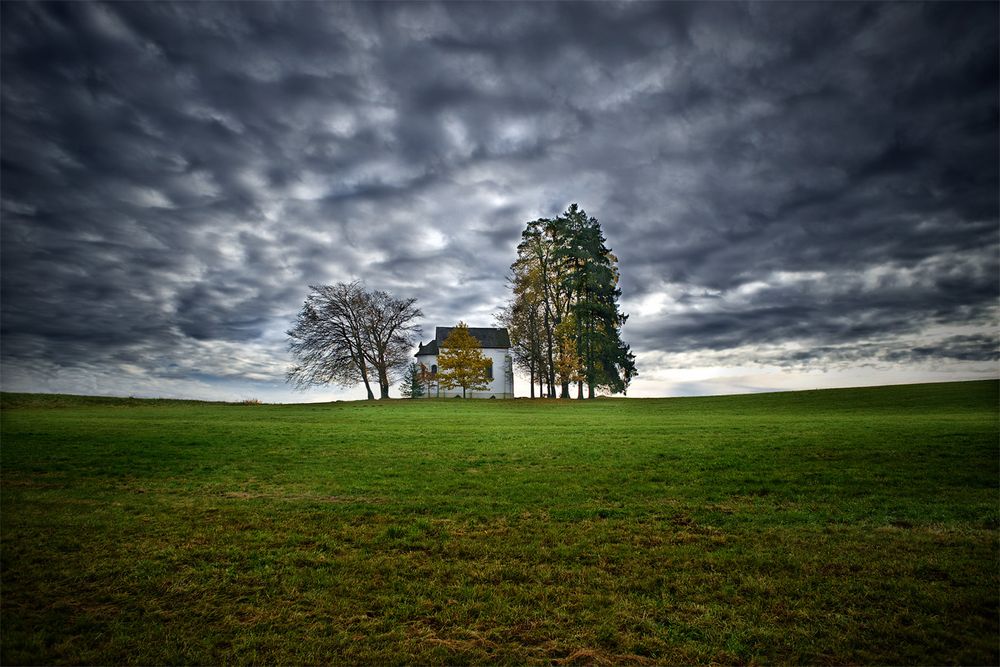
(826, 527)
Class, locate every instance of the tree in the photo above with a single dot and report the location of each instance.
(592, 279)
(522, 316)
(389, 332)
(542, 273)
(565, 271)
(328, 338)
(461, 362)
(411, 386)
(345, 334)
(569, 366)
(427, 379)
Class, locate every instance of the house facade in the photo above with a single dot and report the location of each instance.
(496, 348)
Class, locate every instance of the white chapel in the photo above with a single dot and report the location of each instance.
(496, 348)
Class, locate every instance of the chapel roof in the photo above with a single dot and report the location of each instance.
(430, 348)
(487, 337)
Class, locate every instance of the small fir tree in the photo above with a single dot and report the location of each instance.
(411, 387)
(461, 362)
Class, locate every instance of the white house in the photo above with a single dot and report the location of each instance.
(496, 348)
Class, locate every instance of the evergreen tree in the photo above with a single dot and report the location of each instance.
(593, 280)
(461, 362)
(411, 386)
(565, 262)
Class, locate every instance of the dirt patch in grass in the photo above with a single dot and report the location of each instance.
(304, 497)
(588, 656)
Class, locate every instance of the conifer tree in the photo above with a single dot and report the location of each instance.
(411, 386)
(461, 362)
(566, 265)
(592, 278)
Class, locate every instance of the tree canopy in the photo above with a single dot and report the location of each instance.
(461, 362)
(564, 319)
(346, 334)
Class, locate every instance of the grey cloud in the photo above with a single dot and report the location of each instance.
(175, 174)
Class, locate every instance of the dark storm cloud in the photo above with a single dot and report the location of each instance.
(816, 176)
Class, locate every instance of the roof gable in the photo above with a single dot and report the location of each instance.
(429, 348)
(487, 336)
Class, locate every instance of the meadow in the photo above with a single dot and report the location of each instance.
(824, 527)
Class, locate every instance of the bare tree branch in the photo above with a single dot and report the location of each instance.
(344, 334)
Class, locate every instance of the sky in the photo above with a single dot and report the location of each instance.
(800, 195)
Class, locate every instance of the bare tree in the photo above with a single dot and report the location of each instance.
(328, 338)
(522, 317)
(389, 332)
(344, 334)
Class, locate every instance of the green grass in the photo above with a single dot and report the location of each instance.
(826, 527)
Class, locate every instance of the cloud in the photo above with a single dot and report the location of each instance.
(815, 181)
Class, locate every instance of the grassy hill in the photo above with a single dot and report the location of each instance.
(834, 526)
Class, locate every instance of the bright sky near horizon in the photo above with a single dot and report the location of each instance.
(800, 195)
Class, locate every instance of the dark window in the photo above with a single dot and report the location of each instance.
(489, 368)
(434, 368)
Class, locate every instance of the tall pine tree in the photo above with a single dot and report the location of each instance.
(567, 263)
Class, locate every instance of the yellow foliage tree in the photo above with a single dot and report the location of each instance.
(461, 362)
(569, 366)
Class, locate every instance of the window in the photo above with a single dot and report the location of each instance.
(489, 368)
(434, 369)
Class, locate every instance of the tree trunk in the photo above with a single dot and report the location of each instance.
(383, 383)
(550, 321)
(362, 364)
(550, 380)
(588, 370)
(531, 379)
(368, 386)
(579, 332)
(564, 390)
